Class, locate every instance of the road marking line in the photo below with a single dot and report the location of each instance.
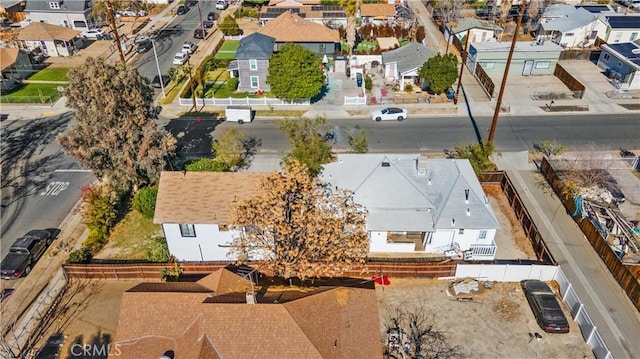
(72, 170)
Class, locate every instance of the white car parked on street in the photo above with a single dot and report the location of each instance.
(180, 58)
(93, 34)
(389, 114)
(189, 47)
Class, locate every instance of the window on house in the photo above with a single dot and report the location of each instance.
(607, 57)
(461, 231)
(482, 235)
(253, 64)
(54, 4)
(255, 82)
(634, 35)
(427, 238)
(487, 65)
(543, 64)
(323, 48)
(187, 230)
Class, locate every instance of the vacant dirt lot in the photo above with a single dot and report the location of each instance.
(495, 324)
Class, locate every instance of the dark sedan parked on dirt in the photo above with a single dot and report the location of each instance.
(545, 306)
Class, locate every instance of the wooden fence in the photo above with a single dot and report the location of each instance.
(571, 82)
(619, 271)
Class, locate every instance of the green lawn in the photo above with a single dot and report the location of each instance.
(51, 75)
(218, 75)
(32, 93)
(362, 46)
(131, 237)
(230, 45)
(225, 55)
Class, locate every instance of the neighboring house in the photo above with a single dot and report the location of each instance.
(332, 16)
(418, 205)
(50, 40)
(70, 13)
(12, 10)
(289, 27)
(479, 30)
(377, 14)
(621, 28)
(195, 210)
(569, 26)
(529, 58)
(597, 9)
(252, 62)
(15, 65)
(403, 64)
(221, 316)
(621, 62)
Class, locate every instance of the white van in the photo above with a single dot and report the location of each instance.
(222, 4)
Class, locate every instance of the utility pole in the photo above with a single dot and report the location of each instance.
(464, 61)
(204, 36)
(496, 112)
(114, 27)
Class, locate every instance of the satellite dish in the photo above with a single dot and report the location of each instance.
(60, 89)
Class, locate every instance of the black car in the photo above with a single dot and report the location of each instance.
(144, 46)
(182, 9)
(545, 306)
(199, 33)
(212, 16)
(207, 24)
(156, 81)
(191, 3)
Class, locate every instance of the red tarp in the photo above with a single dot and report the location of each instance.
(383, 280)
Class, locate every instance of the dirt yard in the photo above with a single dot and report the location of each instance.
(497, 323)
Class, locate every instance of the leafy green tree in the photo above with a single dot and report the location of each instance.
(478, 155)
(115, 134)
(205, 165)
(229, 148)
(295, 72)
(359, 142)
(440, 72)
(229, 26)
(145, 201)
(308, 145)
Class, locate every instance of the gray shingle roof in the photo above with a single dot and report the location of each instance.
(409, 57)
(400, 199)
(65, 6)
(473, 23)
(255, 46)
(573, 19)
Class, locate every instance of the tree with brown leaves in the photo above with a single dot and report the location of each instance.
(114, 133)
(300, 227)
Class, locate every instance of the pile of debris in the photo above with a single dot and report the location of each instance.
(467, 288)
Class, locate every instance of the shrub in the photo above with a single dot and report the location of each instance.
(158, 250)
(102, 209)
(94, 242)
(205, 165)
(145, 201)
(408, 87)
(368, 83)
(232, 84)
(81, 255)
(173, 273)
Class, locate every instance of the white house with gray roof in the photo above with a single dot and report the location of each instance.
(418, 205)
(73, 14)
(403, 64)
(479, 30)
(569, 26)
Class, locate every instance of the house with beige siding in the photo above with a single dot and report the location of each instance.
(50, 40)
(290, 27)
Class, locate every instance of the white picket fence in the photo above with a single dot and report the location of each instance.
(517, 273)
(263, 101)
(358, 100)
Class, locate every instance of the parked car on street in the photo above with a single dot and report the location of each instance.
(207, 24)
(182, 9)
(189, 47)
(180, 58)
(212, 16)
(545, 306)
(24, 253)
(222, 4)
(389, 114)
(144, 46)
(191, 3)
(156, 81)
(199, 33)
(93, 34)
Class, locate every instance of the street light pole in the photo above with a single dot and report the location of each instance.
(155, 54)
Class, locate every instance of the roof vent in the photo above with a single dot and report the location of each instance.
(466, 195)
(453, 222)
(468, 212)
(386, 164)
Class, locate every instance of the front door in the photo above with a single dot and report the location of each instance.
(528, 68)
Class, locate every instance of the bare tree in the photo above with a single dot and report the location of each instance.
(301, 227)
(450, 10)
(415, 333)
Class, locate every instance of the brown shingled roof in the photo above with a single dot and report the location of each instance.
(310, 327)
(202, 197)
(8, 57)
(224, 281)
(290, 27)
(39, 31)
(385, 10)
